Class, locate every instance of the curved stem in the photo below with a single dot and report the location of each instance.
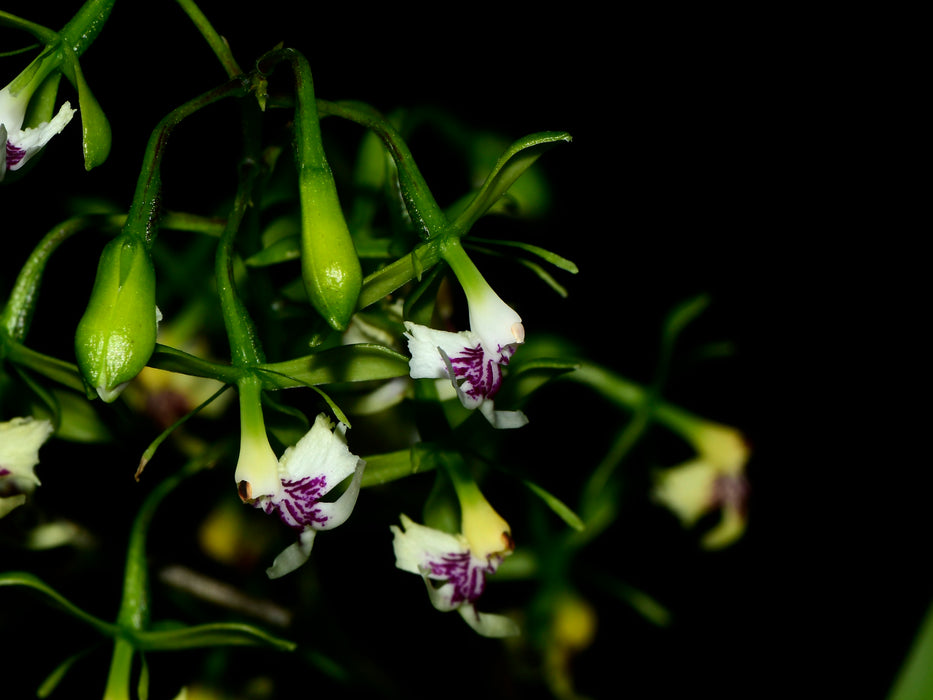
(418, 198)
(217, 43)
(142, 219)
(20, 306)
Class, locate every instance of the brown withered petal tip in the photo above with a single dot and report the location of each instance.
(245, 491)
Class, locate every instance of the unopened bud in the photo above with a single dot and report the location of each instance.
(117, 334)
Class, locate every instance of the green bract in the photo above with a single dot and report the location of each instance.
(117, 333)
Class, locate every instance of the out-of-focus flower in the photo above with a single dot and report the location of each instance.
(20, 440)
(572, 629)
(714, 479)
(454, 566)
(18, 144)
(295, 485)
(472, 359)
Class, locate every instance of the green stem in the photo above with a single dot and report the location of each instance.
(121, 667)
(57, 370)
(142, 219)
(245, 347)
(20, 306)
(422, 206)
(217, 43)
(386, 280)
(84, 27)
(43, 34)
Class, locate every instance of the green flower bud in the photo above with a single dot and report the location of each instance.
(330, 266)
(117, 334)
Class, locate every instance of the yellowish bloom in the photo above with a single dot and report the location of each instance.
(713, 479)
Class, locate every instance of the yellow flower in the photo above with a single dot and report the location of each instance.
(714, 479)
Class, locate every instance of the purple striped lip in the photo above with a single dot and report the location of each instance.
(13, 154)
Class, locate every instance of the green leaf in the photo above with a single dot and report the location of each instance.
(516, 159)
(548, 256)
(681, 315)
(530, 375)
(208, 635)
(346, 363)
(391, 466)
(915, 679)
(282, 250)
(556, 505)
(55, 677)
(24, 578)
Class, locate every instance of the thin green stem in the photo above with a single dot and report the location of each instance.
(143, 217)
(245, 347)
(20, 306)
(217, 43)
(52, 368)
(422, 206)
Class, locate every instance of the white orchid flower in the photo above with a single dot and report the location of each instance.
(454, 566)
(18, 144)
(20, 440)
(472, 360)
(295, 485)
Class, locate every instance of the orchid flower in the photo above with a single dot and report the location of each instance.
(295, 485)
(19, 145)
(20, 440)
(714, 479)
(454, 566)
(472, 360)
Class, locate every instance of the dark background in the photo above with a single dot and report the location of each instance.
(703, 160)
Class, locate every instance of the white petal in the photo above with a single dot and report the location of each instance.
(33, 140)
(417, 545)
(338, 511)
(292, 556)
(10, 503)
(687, 489)
(502, 419)
(441, 597)
(20, 440)
(489, 625)
(320, 451)
(423, 344)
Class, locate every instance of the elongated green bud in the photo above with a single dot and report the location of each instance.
(117, 334)
(330, 267)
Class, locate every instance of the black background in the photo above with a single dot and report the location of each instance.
(703, 160)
